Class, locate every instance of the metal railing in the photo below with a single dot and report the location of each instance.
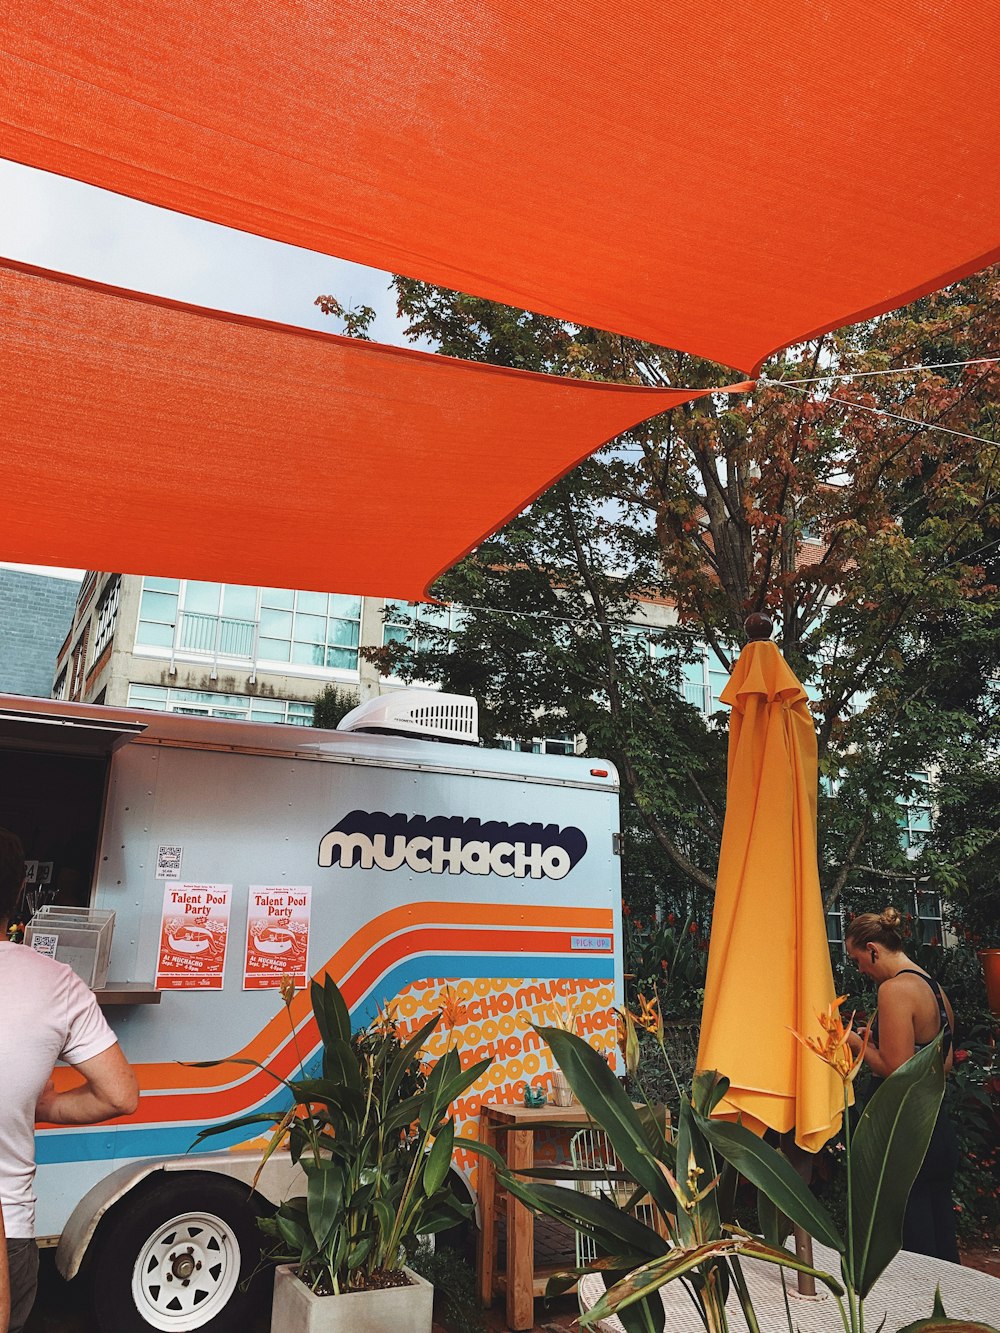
(216, 637)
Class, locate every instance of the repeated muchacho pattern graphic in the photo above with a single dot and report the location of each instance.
(506, 966)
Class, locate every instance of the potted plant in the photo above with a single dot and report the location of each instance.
(374, 1139)
(672, 1176)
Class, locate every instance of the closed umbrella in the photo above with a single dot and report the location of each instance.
(769, 963)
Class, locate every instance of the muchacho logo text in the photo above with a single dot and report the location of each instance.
(448, 844)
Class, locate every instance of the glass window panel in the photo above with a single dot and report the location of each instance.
(345, 658)
(158, 606)
(161, 585)
(239, 602)
(396, 634)
(314, 603)
(308, 654)
(147, 694)
(281, 598)
(346, 632)
(154, 636)
(920, 819)
(276, 624)
(274, 650)
(348, 607)
(310, 629)
(694, 672)
(203, 598)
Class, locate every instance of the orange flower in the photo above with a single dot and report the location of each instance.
(386, 1018)
(834, 1049)
(451, 1010)
(648, 1018)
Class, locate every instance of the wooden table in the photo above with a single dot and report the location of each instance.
(511, 1129)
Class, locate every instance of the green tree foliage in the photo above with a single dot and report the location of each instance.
(331, 705)
(870, 538)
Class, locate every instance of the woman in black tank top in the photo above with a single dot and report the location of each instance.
(913, 1009)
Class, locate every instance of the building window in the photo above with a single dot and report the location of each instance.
(559, 744)
(157, 613)
(206, 703)
(79, 664)
(927, 923)
(59, 690)
(703, 681)
(914, 816)
(313, 629)
(268, 625)
(405, 620)
(107, 614)
(835, 928)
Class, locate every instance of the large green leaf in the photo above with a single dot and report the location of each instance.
(338, 1096)
(438, 1161)
(324, 1197)
(604, 1100)
(405, 1057)
(332, 1018)
(681, 1262)
(447, 1069)
(457, 1083)
(939, 1320)
(614, 1230)
(887, 1149)
(771, 1172)
(259, 1118)
(340, 1064)
(693, 1153)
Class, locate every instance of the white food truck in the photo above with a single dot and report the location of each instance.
(395, 854)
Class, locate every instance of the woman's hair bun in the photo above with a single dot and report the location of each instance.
(889, 916)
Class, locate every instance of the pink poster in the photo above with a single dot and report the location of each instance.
(193, 933)
(277, 936)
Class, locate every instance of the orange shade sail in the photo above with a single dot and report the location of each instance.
(768, 962)
(722, 178)
(145, 436)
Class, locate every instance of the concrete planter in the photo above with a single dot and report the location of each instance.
(389, 1310)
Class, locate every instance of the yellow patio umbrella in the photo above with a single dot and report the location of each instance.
(769, 963)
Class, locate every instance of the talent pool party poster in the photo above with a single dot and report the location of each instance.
(194, 932)
(277, 942)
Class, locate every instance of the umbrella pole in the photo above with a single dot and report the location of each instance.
(804, 1252)
(803, 1163)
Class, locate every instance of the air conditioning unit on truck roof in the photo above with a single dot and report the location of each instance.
(420, 713)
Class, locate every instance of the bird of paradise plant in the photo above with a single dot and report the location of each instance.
(374, 1138)
(677, 1176)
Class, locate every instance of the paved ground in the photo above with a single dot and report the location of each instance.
(59, 1306)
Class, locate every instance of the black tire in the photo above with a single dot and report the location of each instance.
(178, 1254)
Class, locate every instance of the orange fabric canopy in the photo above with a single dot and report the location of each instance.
(721, 178)
(769, 963)
(146, 436)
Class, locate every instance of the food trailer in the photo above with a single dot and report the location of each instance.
(395, 854)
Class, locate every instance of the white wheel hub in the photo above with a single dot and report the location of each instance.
(186, 1272)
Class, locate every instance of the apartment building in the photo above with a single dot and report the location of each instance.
(221, 649)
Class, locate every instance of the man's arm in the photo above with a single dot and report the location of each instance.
(4, 1281)
(110, 1089)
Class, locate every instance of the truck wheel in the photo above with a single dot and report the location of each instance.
(178, 1256)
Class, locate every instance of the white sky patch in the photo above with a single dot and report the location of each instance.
(62, 224)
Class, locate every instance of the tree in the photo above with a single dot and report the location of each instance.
(332, 705)
(855, 510)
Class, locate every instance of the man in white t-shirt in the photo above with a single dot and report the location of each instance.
(47, 1013)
